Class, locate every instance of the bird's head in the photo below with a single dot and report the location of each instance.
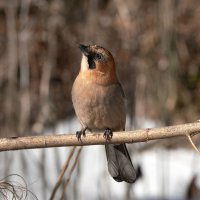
(98, 62)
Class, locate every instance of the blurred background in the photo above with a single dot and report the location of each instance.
(156, 46)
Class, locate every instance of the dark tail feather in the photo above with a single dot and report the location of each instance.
(120, 166)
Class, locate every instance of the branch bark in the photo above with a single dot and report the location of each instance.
(142, 135)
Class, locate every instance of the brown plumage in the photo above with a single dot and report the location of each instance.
(98, 100)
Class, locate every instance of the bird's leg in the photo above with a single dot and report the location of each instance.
(81, 132)
(108, 134)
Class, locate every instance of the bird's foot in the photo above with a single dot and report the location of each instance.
(80, 133)
(108, 134)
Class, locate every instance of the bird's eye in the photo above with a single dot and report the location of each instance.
(98, 56)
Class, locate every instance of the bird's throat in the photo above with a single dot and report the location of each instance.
(98, 77)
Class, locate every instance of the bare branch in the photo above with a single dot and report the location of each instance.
(142, 135)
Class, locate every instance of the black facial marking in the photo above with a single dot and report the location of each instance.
(91, 62)
(98, 57)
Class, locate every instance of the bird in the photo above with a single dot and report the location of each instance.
(99, 103)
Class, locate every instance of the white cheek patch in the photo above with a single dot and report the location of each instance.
(84, 63)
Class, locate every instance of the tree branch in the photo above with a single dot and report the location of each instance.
(142, 135)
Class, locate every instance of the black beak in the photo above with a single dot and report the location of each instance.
(84, 49)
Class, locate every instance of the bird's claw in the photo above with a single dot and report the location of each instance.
(80, 133)
(108, 134)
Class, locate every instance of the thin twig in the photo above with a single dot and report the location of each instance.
(70, 174)
(193, 145)
(62, 172)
